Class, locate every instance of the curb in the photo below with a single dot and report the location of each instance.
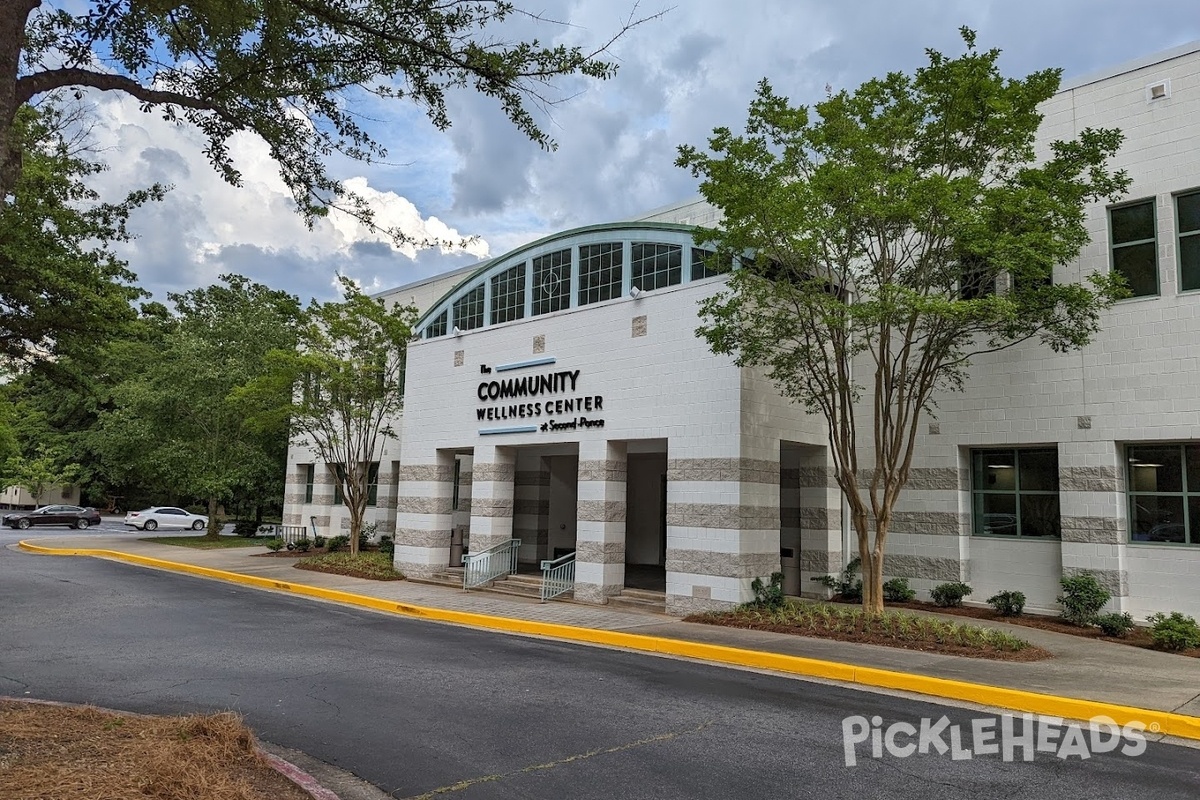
(287, 769)
(1155, 721)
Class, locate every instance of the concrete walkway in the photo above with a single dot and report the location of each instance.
(1083, 669)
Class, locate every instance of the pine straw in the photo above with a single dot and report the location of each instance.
(52, 752)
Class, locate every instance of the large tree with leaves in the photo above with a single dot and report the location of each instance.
(180, 421)
(897, 232)
(287, 70)
(347, 388)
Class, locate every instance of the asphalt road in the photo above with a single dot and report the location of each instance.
(416, 707)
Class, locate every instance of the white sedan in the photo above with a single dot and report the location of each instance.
(165, 517)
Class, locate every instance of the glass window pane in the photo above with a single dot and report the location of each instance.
(508, 295)
(1189, 212)
(437, 327)
(1039, 515)
(552, 282)
(1194, 519)
(1133, 223)
(653, 266)
(996, 514)
(1155, 468)
(1189, 261)
(1138, 264)
(705, 264)
(468, 310)
(599, 272)
(995, 471)
(1039, 470)
(1156, 518)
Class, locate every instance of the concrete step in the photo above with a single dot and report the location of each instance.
(644, 594)
(656, 602)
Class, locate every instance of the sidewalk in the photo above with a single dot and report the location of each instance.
(1081, 670)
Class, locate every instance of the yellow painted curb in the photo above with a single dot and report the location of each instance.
(1164, 722)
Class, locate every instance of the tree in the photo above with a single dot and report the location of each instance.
(39, 473)
(287, 70)
(347, 378)
(904, 229)
(63, 288)
(180, 420)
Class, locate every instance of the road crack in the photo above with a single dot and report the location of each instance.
(600, 751)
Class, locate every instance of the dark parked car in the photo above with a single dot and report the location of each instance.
(71, 516)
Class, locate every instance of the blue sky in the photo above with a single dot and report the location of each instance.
(680, 75)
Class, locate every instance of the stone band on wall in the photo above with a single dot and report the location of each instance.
(1088, 479)
(425, 472)
(484, 471)
(723, 565)
(424, 505)
(600, 511)
(736, 470)
(1093, 530)
(611, 470)
(491, 507)
(600, 552)
(940, 523)
(728, 517)
(679, 605)
(809, 477)
(1116, 581)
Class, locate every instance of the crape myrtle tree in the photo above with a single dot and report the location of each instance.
(347, 382)
(903, 228)
(289, 71)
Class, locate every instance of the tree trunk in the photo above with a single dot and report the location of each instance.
(214, 524)
(13, 17)
(355, 528)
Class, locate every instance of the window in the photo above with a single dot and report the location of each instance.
(654, 266)
(1134, 247)
(508, 295)
(1164, 493)
(706, 263)
(373, 483)
(310, 474)
(468, 310)
(552, 282)
(457, 482)
(437, 327)
(339, 499)
(599, 272)
(1187, 210)
(1015, 492)
(975, 280)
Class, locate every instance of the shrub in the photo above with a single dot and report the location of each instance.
(1082, 598)
(336, 543)
(897, 590)
(1008, 604)
(768, 595)
(950, 595)
(846, 586)
(318, 541)
(246, 528)
(1115, 624)
(1174, 632)
(275, 545)
(303, 545)
(366, 534)
(387, 545)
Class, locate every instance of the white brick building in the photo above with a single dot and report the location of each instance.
(677, 469)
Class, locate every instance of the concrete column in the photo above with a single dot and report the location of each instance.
(293, 494)
(1091, 486)
(493, 474)
(601, 514)
(423, 515)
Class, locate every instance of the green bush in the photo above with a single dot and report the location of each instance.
(1008, 604)
(275, 545)
(768, 595)
(318, 542)
(336, 543)
(1115, 624)
(950, 595)
(1174, 632)
(1082, 598)
(246, 528)
(387, 545)
(847, 586)
(897, 590)
(303, 545)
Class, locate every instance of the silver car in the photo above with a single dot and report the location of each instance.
(165, 517)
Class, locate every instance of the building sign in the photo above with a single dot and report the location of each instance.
(551, 401)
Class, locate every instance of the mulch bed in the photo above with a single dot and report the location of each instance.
(52, 751)
(1029, 653)
(1138, 637)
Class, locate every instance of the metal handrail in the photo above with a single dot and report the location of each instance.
(479, 568)
(558, 576)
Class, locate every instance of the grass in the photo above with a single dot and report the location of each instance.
(372, 565)
(204, 543)
(49, 751)
(892, 628)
